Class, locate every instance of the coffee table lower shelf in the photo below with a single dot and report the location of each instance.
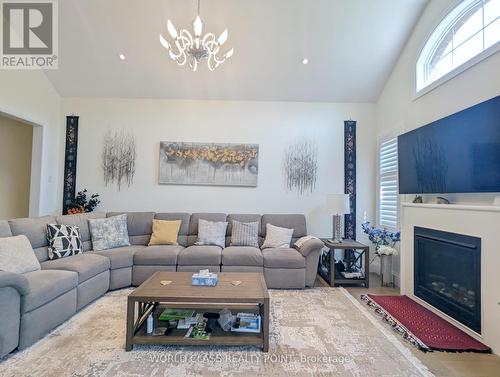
(177, 336)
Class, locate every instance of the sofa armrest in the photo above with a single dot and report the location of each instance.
(309, 246)
(16, 281)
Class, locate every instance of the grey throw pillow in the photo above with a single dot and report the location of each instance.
(211, 233)
(17, 255)
(109, 233)
(277, 237)
(245, 234)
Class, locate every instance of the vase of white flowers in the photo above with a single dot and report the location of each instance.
(385, 242)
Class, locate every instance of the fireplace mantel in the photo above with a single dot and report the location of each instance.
(456, 207)
(481, 221)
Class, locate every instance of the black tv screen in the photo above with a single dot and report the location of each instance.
(456, 154)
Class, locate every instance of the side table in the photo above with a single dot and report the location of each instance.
(355, 256)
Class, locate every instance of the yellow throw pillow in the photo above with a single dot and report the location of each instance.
(165, 232)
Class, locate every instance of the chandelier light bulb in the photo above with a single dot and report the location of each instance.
(229, 53)
(222, 38)
(171, 29)
(164, 42)
(198, 26)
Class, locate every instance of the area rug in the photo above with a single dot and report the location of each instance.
(314, 332)
(421, 327)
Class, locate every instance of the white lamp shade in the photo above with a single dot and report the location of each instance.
(338, 204)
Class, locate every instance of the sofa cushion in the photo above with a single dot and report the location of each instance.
(81, 221)
(86, 265)
(17, 256)
(200, 255)
(45, 286)
(120, 257)
(184, 229)
(109, 233)
(64, 240)
(283, 258)
(36, 231)
(242, 256)
(158, 255)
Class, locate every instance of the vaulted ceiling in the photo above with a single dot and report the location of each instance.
(351, 46)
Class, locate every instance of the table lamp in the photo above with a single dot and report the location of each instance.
(338, 205)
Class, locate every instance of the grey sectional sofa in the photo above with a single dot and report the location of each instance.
(32, 304)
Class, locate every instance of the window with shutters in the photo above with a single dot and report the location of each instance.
(388, 184)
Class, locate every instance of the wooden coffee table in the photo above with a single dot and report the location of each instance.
(151, 296)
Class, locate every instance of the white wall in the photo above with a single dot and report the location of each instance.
(272, 125)
(398, 110)
(30, 96)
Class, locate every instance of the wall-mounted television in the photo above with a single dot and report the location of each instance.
(456, 154)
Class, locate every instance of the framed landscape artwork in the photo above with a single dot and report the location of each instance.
(208, 164)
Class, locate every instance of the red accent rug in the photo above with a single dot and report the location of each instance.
(421, 327)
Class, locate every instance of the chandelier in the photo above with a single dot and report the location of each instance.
(193, 50)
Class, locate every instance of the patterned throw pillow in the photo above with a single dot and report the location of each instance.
(277, 237)
(211, 233)
(245, 234)
(109, 233)
(64, 241)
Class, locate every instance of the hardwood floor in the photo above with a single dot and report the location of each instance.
(441, 364)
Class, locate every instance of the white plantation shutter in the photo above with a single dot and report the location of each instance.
(388, 181)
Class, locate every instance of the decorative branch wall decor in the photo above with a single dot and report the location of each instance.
(70, 161)
(118, 158)
(350, 176)
(300, 166)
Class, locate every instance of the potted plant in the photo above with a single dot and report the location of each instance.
(81, 204)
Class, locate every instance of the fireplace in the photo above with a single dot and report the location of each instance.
(447, 274)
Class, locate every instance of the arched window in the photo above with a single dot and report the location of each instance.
(470, 31)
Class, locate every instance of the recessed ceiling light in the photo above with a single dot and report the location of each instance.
(122, 57)
(305, 61)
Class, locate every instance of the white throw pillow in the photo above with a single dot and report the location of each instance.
(277, 237)
(17, 255)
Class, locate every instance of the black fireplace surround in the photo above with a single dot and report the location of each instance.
(447, 274)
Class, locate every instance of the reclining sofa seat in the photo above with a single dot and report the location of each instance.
(139, 225)
(242, 258)
(51, 296)
(160, 257)
(196, 257)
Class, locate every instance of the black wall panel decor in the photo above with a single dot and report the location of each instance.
(350, 176)
(70, 153)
